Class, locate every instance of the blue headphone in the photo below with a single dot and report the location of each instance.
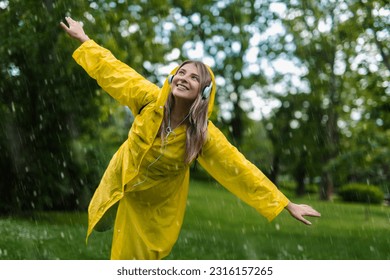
(205, 93)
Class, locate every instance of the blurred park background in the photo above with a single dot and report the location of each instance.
(303, 91)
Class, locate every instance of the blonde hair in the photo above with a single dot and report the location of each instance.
(198, 115)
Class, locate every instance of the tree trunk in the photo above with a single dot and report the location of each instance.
(236, 121)
(275, 168)
(327, 187)
(299, 175)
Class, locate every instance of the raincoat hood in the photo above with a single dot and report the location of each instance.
(166, 89)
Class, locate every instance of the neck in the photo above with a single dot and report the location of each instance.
(178, 114)
(180, 108)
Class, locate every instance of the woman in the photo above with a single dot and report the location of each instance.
(146, 182)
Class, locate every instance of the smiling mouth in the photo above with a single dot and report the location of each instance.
(180, 86)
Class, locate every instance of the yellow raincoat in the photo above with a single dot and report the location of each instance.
(149, 178)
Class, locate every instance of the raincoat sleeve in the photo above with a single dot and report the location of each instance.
(242, 178)
(118, 79)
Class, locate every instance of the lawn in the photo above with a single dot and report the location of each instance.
(217, 226)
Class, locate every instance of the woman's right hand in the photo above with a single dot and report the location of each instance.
(75, 29)
(298, 211)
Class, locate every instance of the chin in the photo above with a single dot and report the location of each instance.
(183, 96)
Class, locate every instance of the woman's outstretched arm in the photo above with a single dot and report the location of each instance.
(233, 171)
(115, 77)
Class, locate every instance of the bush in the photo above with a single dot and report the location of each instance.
(361, 193)
(312, 188)
(287, 185)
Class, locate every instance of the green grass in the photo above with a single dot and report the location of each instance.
(217, 226)
(50, 236)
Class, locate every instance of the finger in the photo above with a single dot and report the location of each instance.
(70, 21)
(309, 211)
(306, 222)
(64, 26)
(314, 213)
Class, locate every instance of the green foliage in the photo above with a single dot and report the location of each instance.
(256, 146)
(312, 188)
(318, 125)
(40, 110)
(289, 185)
(355, 192)
(365, 159)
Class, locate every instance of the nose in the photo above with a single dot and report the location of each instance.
(183, 78)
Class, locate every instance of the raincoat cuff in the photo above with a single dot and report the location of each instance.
(283, 203)
(83, 45)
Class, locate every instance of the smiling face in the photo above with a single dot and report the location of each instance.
(186, 82)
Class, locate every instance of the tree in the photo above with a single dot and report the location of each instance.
(37, 123)
(219, 33)
(296, 136)
(323, 38)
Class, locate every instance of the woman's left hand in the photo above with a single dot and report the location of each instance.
(299, 211)
(75, 29)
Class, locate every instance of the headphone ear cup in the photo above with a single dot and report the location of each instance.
(206, 91)
(170, 79)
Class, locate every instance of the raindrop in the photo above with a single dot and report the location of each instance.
(3, 252)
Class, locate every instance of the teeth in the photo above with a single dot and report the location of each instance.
(182, 87)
